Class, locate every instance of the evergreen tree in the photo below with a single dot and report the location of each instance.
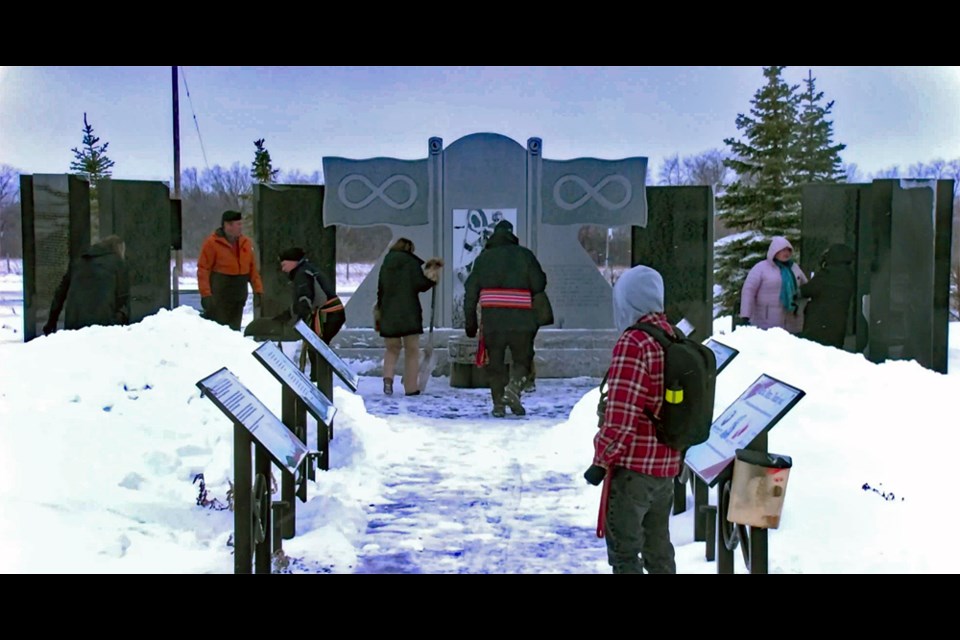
(92, 161)
(765, 199)
(263, 171)
(818, 159)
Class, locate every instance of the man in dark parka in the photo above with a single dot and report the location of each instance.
(504, 278)
(829, 293)
(95, 290)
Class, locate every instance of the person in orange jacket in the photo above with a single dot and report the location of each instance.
(225, 266)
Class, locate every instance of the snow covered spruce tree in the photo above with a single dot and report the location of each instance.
(818, 159)
(262, 170)
(787, 143)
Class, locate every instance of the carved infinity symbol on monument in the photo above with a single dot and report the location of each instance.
(592, 192)
(377, 191)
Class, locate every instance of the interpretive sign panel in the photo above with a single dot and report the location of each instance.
(756, 410)
(290, 376)
(236, 401)
(340, 367)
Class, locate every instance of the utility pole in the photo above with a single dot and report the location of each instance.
(178, 268)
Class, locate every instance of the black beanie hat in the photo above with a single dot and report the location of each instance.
(230, 215)
(506, 225)
(293, 253)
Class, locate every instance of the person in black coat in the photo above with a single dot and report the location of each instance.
(403, 276)
(502, 283)
(95, 290)
(829, 293)
(314, 295)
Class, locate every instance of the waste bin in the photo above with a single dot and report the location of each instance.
(758, 488)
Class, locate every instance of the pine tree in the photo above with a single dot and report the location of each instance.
(92, 161)
(263, 171)
(818, 159)
(765, 199)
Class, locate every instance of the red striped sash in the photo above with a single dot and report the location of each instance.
(506, 298)
(331, 305)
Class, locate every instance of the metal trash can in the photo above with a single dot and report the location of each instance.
(758, 488)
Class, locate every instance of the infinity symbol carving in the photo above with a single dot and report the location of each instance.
(377, 192)
(592, 192)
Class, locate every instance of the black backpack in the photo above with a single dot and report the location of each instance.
(689, 377)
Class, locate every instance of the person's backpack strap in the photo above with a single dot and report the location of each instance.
(602, 404)
(319, 295)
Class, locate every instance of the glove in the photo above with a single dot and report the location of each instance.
(471, 331)
(207, 304)
(432, 269)
(50, 327)
(257, 300)
(595, 474)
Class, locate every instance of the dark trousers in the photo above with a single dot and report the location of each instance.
(497, 342)
(227, 312)
(332, 322)
(638, 523)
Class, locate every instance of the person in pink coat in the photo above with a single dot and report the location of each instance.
(769, 295)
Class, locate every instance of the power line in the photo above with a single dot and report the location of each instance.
(194, 113)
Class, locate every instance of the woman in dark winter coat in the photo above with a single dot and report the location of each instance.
(95, 289)
(829, 293)
(315, 298)
(403, 276)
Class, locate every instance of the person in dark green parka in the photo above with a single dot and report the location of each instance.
(95, 290)
(403, 276)
(829, 293)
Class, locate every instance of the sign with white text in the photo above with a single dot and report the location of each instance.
(237, 402)
(339, 366)
(290, 376)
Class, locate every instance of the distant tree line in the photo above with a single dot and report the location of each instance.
(787, 142)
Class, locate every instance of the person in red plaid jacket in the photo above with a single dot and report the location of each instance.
(637, 468)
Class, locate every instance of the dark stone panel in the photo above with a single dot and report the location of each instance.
(866, 249)
(139, 212)
(941, 275)
(910, 323)
(830, 214)
(880, 216)
(29, 258)
(285, 216)
(678, 242)
(55, 212)
(176, 224)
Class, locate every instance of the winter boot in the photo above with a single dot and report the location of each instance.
(499, 411)
(531, 381)
(511, 396)
(387, 387)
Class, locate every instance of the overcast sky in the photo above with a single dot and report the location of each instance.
(887, 116)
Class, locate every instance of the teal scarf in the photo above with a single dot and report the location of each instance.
(789, 287)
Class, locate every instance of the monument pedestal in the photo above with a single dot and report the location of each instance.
(464, 373)
(559, 353)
